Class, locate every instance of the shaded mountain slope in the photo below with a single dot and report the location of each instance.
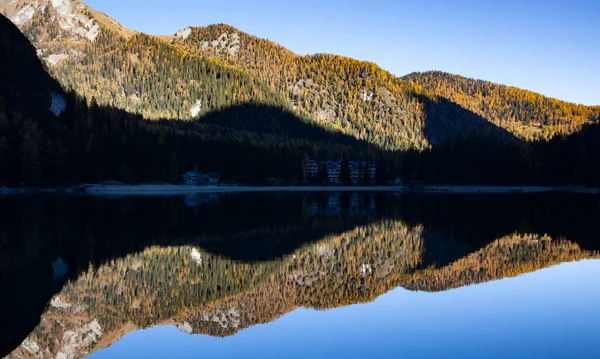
(527, 114)
(26, 88)
(207, 68)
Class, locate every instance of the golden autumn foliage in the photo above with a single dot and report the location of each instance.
(527, 114)
(214, 67)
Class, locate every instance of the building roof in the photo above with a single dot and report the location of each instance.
(331, 164)
(192, 174)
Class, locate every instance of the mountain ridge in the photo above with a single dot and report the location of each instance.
(239, 96)
(354, 97)
(495, 83)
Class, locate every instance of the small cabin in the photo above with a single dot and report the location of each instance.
(214, 177)
(193, 178)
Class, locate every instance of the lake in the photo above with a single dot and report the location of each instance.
(300, 275)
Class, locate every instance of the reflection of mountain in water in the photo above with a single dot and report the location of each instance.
(341, 261)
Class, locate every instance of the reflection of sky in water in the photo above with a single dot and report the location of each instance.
(552, 313)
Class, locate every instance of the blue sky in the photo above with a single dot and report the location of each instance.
(548, 46)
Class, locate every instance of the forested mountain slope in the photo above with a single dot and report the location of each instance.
(357, 98)
(199, 70)
(85, 142)
(26, 88)
(98, 58)
(353, 95)
(525, 113)
(259, 109)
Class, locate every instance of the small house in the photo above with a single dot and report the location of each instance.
(192, 178)
(214, 177)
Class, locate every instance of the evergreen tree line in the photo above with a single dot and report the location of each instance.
(94, 144)
(249, 136)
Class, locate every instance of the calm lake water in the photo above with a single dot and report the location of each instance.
(349, 275)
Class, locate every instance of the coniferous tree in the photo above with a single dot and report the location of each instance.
(174, 176)
(345, 176)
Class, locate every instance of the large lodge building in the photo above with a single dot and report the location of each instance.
(357, 169)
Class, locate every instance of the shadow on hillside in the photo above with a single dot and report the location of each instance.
(25, 86)
(446, 120)
(278, 122)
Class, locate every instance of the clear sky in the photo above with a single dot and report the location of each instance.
(547, 46)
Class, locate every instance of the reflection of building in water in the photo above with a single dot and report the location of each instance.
(59, 269)
(356, 204)
(312, 208)
(354, 207)
(333, 204)
(196, 177)
(197, 199)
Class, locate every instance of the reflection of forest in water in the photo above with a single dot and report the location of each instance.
(216, 264)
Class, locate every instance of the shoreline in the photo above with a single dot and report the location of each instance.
(118, 190)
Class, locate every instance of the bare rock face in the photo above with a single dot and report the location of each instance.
(185, 327)
(367, 95)
(225, 44)
(195, 110)
(72, 17)
(78, 339)
(57, 28)
(326, 114)
(24, 15)
(184, 33)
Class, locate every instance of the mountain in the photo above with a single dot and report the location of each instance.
(527, 114)
(26, 87)
(355, 97)
(93, 54)
(350, 94)
(83, 141)
(253, 110)
(26, 92)
(203, 69)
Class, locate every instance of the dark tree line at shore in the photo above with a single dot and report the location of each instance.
(250, 142)
(93, 144)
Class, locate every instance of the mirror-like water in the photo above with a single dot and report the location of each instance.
(300, 275)
(552, 313)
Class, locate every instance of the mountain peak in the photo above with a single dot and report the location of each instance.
(72, 17)
(26, 87)
(75, 20)
(221, 38)
(56, 27)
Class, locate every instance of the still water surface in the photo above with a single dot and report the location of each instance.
(551, 313)
(300, 275)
